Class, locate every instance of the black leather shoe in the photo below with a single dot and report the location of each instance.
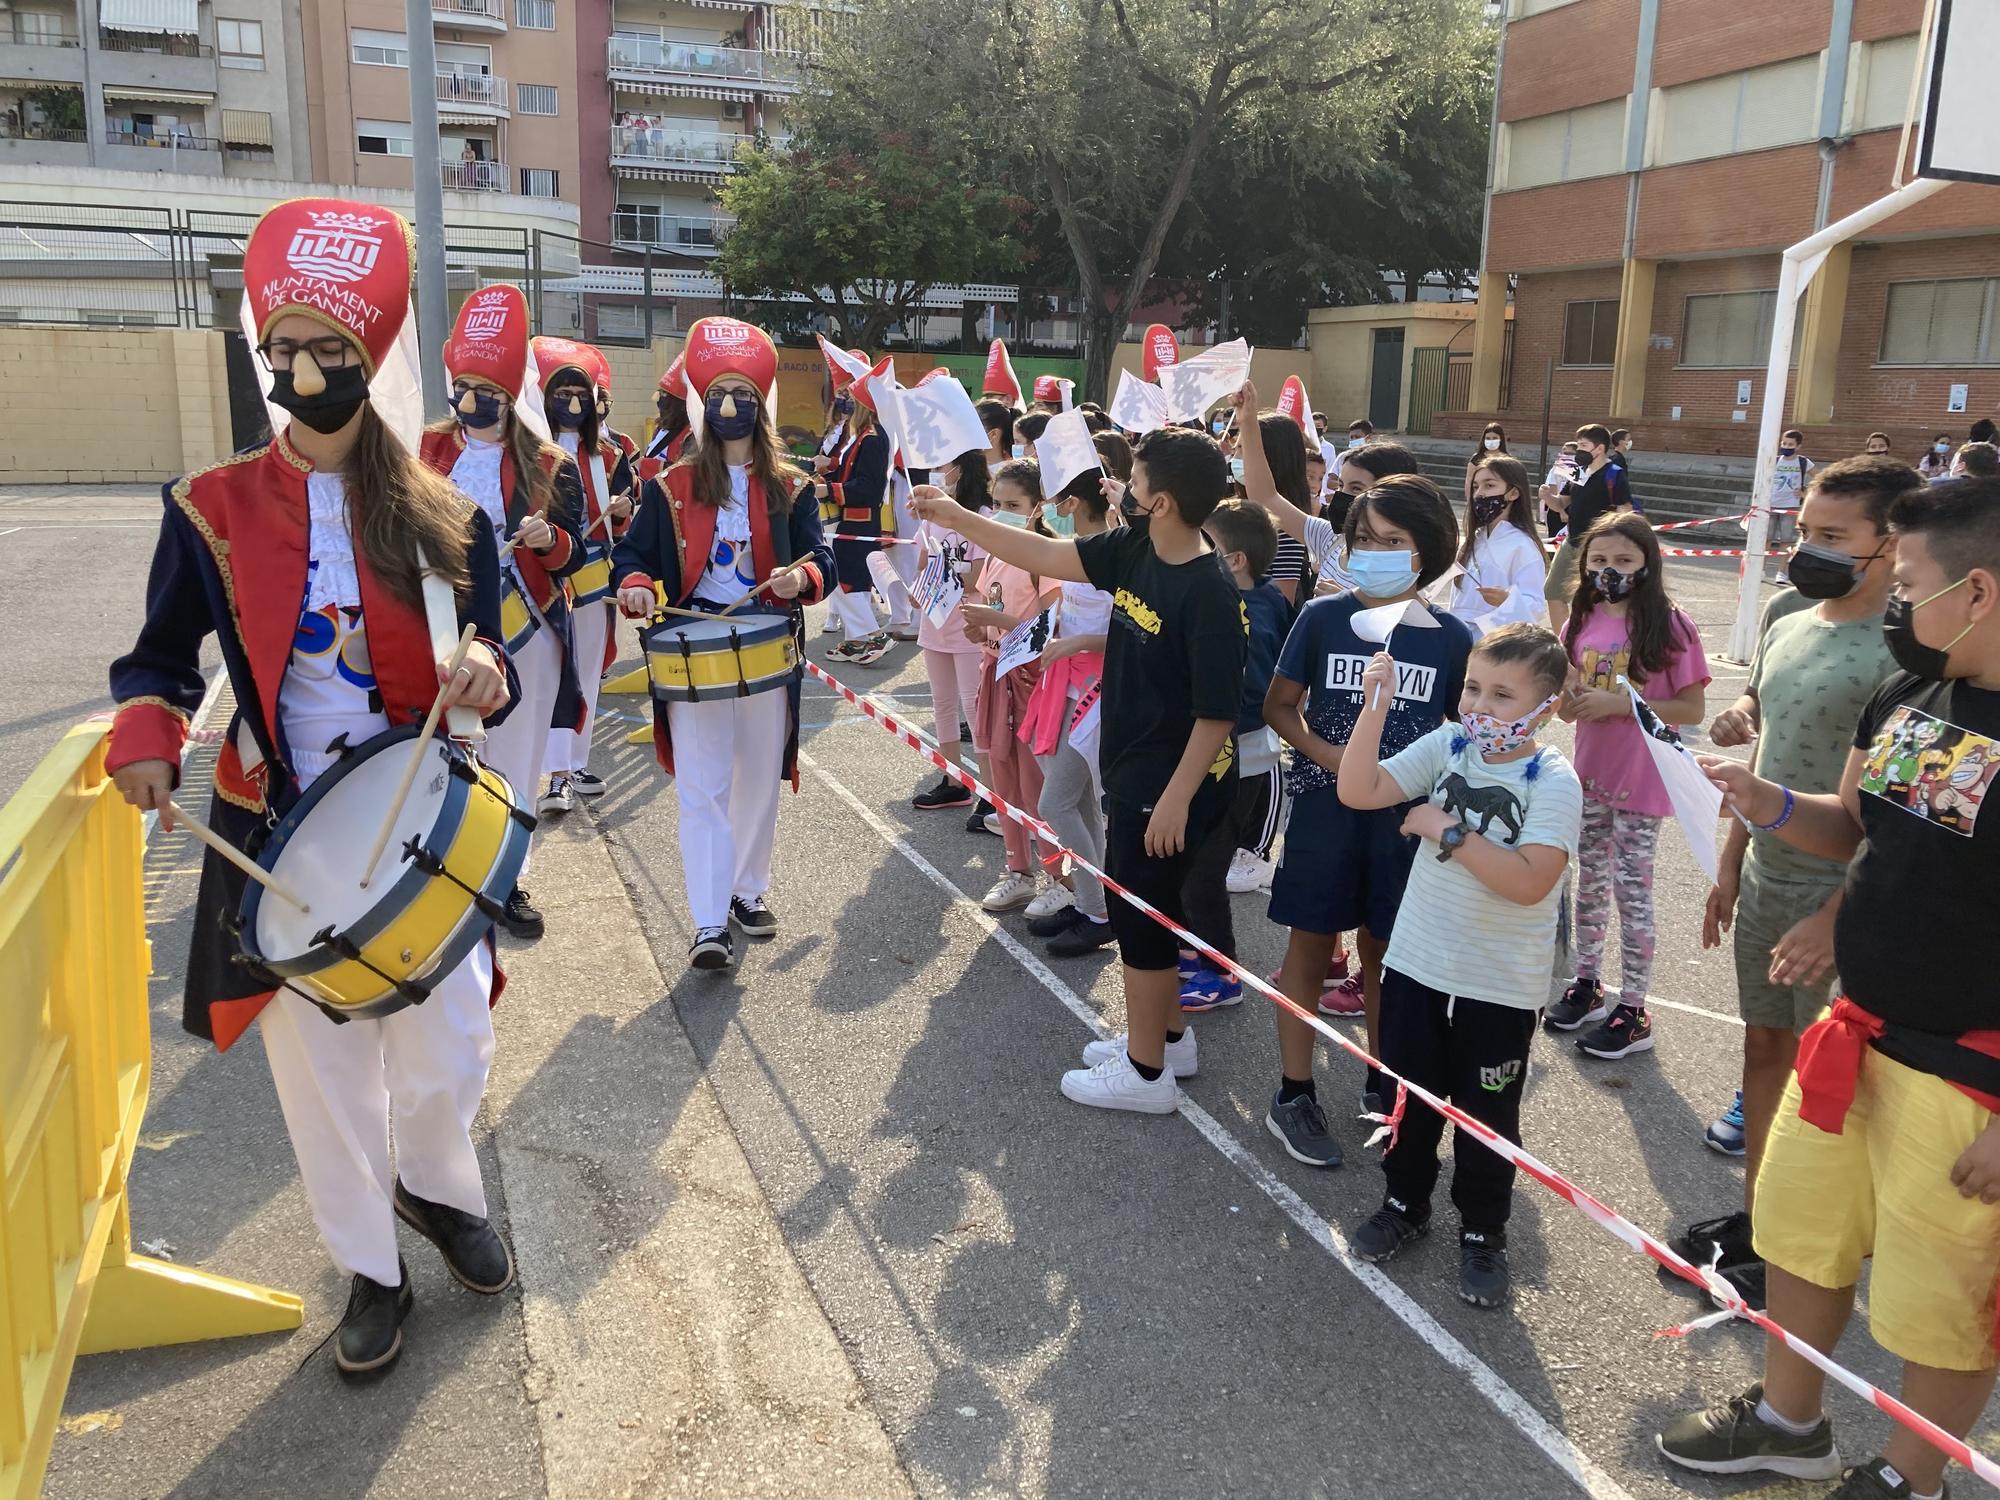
(472, 1248)
(371, 1331)
(522, 919)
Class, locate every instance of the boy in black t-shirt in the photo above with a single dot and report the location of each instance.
(1887, 1143)
(1173, 677)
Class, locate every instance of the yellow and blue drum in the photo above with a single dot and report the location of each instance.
(729, 656)
(518, 618)
(591, 583)
(363, 952)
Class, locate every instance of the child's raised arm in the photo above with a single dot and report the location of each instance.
(1257, 481)
(1044, 556)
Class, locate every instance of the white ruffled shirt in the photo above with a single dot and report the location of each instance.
(329, 686)
(731, 572)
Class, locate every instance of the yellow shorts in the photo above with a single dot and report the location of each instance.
(1883, 1187)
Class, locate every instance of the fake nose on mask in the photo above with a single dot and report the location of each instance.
(468, 403)
(728, 407)
(576, 406)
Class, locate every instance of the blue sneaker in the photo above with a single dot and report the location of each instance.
(1210, 989)
(1726, 1134)
(1188, 965)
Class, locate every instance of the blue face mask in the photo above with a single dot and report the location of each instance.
(1381, 575)
(1020, 451)
(1236, 469)
(739, 422)
(478, 407)
(568, 411)
(1053, 518)
(1010, 518)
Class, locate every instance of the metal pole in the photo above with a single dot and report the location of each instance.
(1548, 395)
(433, 300)
(646, 294)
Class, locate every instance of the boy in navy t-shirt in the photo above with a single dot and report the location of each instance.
(1345, 869)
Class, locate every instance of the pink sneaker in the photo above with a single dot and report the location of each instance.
(1344, 999)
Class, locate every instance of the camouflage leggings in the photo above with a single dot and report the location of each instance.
(1615, 861)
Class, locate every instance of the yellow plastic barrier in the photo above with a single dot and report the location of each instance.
(633, 682)
(75, 1063)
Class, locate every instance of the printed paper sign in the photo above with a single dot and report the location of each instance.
(1139, 406)
(1064, 451)
(1023, 644)
(1697, 800)
(1194, 385)
(937, 590)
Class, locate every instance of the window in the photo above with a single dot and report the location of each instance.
(1748, 111)
(539, 182)
(1587, 142)
(535, 15)
(1878, 83)
(1590, 332)
(380, 49)
(1728, 329)
(1525, 8)
(534, 98)
(239, 44)
(382, 137)
(1941, 323)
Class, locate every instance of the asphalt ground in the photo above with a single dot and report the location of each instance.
(1030, 1297)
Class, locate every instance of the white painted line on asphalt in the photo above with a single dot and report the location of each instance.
(12, 529)
(1695, 1010)
(1510, 1403)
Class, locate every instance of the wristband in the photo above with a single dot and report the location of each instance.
(1783, 817)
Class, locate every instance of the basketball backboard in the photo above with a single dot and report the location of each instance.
(1958, 127)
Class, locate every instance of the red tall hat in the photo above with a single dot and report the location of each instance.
(490, 340)
(553, 354)
(1000, 378)
(863, 386)
(720, 347)
(600, 368)
(343, 264)
(1159, 349)
(1048, 388)
(674, 382)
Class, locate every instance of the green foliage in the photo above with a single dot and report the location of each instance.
(61, 109)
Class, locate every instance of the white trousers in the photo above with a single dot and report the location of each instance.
(728, 756)
(569, 749)
(853, 612)
(515, 749)
(419, 1073)
(903, 559)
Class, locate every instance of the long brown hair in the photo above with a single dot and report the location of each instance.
(1649, 614)
(769, 466)
(1520, 512)
(400, 505)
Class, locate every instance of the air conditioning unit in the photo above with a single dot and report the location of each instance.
(732, 110)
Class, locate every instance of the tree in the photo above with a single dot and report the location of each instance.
(862, 225)
(1114, 105)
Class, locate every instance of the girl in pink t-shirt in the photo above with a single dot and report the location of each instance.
(951, 658)
(1621, 625)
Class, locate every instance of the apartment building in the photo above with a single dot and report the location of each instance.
(183, 87)
(1652, 160)
(507, 104)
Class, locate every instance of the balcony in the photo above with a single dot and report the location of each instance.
(471, 15)
(474, 176)
(153, 43)
(677, 234)
(643, 150)
(179, 151)
(156, 59)
(39, 145)
(477, 95)
(33, 58)
(642, 60)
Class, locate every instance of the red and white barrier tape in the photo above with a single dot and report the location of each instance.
(848, 536)
(1706, 521)
(1703, 552)
(1605, 1217)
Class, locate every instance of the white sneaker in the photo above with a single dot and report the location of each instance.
(1248, 873)
(1181, 1056)
(993, 825)
(1116, 1084)
(1049, 900)
(1015, 888)
(558, 798)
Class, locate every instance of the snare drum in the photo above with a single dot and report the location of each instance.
(459, 842)
(591, 583)
(518, 620)
(729, 656)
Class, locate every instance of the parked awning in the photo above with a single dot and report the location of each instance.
(156, 96)
(40, 83)
(686, 90)
(181, 17)
(246, 127)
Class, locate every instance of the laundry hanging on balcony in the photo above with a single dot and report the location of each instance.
(175, 17)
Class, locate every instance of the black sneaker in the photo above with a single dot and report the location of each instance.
(371, 1330)
(976, 821)
(1372, 1105)
(1384, 1233)
(472, 1248)
(1482, 1268)
(964, 732)
(1581, 1003)
(586, 785)
(521, 918)
(752, 917)
(947, 793)
(1747, 1276)
(1300, 1126)
(1730, 1438)
(1868, 1482)
(1058, 921)
(712, 949)
(1081, 938)
(1731, 1232)
(1628, 1029)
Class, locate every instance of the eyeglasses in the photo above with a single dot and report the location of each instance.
(330, 353)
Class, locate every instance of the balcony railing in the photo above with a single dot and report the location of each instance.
(687, 234)
(474, 176)
(19, 35)
(449, 11)
(166, 140)
(38, 132)
(155, 43)
(655, 145)
(632, 54)
(486, 90)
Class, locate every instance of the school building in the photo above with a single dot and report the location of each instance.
(1652, 159)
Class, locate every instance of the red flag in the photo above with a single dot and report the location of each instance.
(1000, 378)
(1160, 349)
(1292, 403)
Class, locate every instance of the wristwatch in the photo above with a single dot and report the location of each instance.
(1452, 840)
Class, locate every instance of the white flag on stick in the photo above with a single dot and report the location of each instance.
(1194, 385)
(1023, 644)
(1379, 623)
(1697, 800)
(1065, 450)
(932, 422)
(1140, 406)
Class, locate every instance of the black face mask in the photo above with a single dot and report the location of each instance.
(1487, 508)
(1825, 572)
(1899, 632)
(330, 410)
(1136, 518)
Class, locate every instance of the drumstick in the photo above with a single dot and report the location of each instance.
(237, 857)
(417, 754)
